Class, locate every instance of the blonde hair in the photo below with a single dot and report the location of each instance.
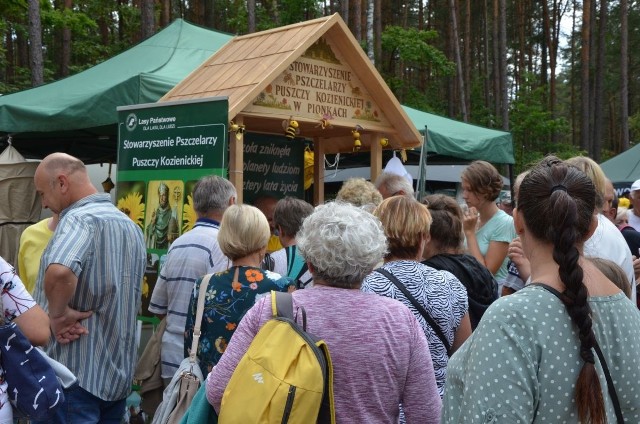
(359, 192)
(614, 273)
(244, 230)
(406, 222)
(592, 170)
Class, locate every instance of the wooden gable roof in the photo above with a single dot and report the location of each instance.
(255, 69)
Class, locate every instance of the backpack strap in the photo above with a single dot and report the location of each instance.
(204, 284)
(419, 308)
(282, 307)
(611, 388)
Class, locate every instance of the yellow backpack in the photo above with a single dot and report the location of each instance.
(284, 377)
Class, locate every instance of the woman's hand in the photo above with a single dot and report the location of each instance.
(516, 254)
(470, 220)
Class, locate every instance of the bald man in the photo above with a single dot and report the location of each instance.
(89, 282)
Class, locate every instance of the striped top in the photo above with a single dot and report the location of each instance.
(439, 292)
(192, 255)
(106, 251)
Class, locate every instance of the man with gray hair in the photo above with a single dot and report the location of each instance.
(389, 185)
(192, 255)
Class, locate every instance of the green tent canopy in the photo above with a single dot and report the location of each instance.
(78, 114)
(624, 168)
(456, 139)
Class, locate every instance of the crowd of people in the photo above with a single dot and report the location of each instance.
(433, 311)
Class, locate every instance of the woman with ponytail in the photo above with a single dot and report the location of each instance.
(533, 356)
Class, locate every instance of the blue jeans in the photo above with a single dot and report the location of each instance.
(81, 407)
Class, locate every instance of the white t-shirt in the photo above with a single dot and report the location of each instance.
(607, 242)
(15, 300)
(634, 220)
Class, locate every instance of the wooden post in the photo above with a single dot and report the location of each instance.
(376, 155)
(236, 160)
(318, 171)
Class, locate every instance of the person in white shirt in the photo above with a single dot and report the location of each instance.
(607, 241)
(634, 214)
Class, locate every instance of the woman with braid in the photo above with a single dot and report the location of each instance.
(532, 358)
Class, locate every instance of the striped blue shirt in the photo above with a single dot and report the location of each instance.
(192, 255)
(106, 251)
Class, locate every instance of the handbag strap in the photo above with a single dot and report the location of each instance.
(202, 293)
(611, 388)
(419, 308)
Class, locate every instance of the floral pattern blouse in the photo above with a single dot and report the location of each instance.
(225, 304)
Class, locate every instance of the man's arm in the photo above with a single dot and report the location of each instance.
(59, 286)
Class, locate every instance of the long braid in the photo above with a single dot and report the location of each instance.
(567, 217)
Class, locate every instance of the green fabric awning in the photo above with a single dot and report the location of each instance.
(624, 168)
(456, 139)
(78, 113)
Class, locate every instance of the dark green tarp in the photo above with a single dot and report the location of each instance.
(78, 114)
(463, 141)
(624, 168)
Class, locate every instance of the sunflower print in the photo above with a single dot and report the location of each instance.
(189, 216)
(226, 302)
(132, 206)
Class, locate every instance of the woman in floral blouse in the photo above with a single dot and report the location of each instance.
(243, 237)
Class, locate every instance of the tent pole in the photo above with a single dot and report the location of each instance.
(513, 198)
(421, 192)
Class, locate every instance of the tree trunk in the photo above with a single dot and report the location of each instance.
(357, 20)
(147, 19)
(456, 50)
(496, 60)
(9, 54)
(467, 56)
(585, 140)
(599, 86)
(251, 11)
(504, 93)
(377, 31)
(65, 58)
(35, 39)
(624, 74)
(344, 11)
(370, 47)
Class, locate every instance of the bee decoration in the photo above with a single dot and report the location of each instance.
(291, 129)
(324, 121)
(357, 144)
(384, 142)
(237, 129)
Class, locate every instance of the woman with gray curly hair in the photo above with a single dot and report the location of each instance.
(379, 352)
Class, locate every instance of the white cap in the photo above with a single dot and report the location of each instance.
(395, 166)
(635, 186)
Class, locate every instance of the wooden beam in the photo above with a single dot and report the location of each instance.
(318, 171)
(236, 160)
(376, 155)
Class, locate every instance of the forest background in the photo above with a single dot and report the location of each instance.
(555, 73)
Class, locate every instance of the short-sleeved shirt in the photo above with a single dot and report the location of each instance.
(522, 362)
(441, 294)
(15, 301)
(192, 255)
(289, 262)
(499, 228)
(607, 242)
(106, 251)
(225, 304)
(32, 243)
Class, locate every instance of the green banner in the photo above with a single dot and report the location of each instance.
(163, 149)
(273, 166)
